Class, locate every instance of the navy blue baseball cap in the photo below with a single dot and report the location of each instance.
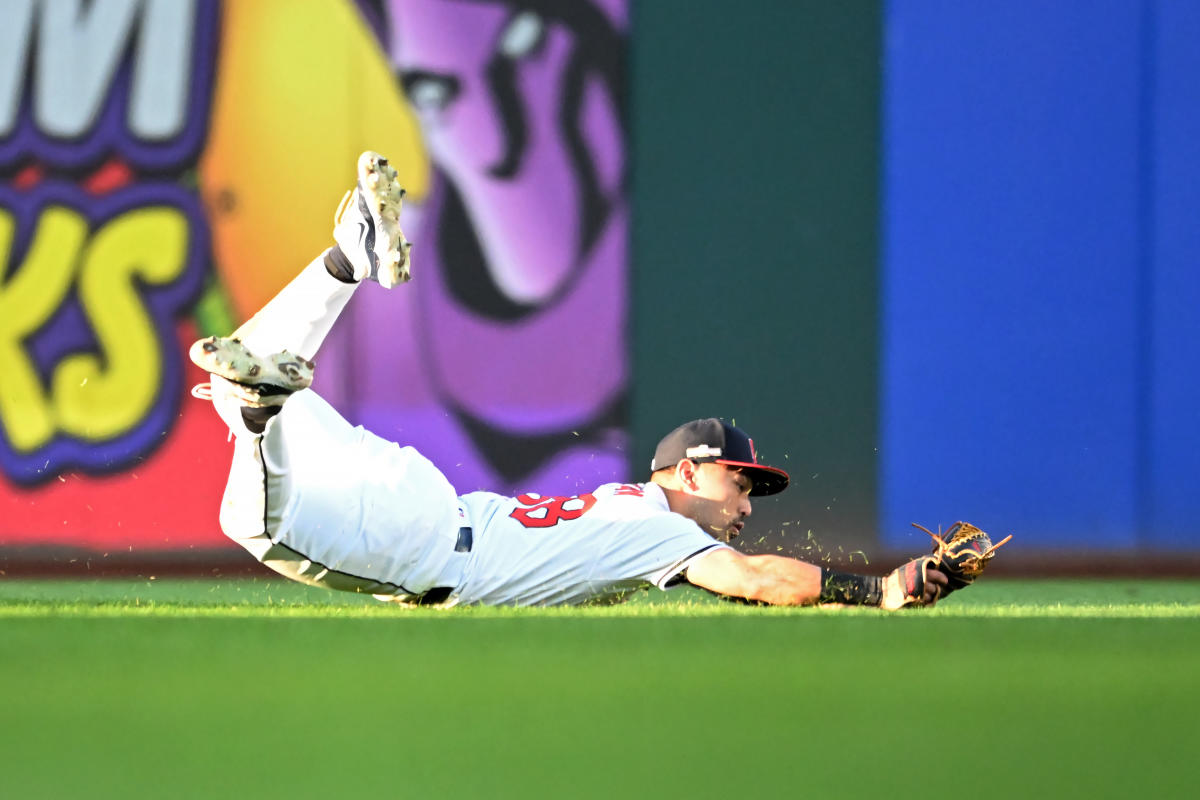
(715, 441)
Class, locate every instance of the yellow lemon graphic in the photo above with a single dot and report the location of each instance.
(300, 90)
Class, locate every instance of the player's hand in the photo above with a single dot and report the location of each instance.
(916, 583)
(936, 583)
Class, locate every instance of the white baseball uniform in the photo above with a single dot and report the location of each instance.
(333, 505)
(336, 506)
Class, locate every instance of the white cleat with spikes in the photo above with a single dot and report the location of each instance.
(367, 224)
(256, 381)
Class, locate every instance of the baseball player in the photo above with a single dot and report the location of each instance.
(333, 505)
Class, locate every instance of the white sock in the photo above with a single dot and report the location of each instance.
(300, 317)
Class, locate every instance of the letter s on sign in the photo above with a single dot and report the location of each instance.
(100, 397)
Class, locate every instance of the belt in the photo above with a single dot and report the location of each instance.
(438, 594)
(465, 540)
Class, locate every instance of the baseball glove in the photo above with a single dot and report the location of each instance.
(961, 553)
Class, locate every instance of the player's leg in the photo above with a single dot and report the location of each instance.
(332, 505)
(269, 357)
(309, 495)
(370, 246)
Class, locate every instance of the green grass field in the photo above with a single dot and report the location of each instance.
(261, 689)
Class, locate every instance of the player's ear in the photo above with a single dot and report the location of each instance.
(685, 472)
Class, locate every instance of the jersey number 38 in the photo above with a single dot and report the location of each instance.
(536, 511)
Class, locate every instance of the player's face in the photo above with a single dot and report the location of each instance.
(721, 501)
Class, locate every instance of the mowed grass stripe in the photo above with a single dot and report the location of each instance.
(262, 689)
(590, 706)
(269, 598)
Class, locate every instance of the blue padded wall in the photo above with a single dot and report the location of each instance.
(1039, 284)
(1173, 424)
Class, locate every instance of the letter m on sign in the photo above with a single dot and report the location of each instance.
(80, 48)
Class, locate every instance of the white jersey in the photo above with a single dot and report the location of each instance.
(333, 505)
(535, 550)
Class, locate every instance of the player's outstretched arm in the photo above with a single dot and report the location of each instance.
(779, 580)
(770, 579)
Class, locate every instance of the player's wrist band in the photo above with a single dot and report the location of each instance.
(855, 590)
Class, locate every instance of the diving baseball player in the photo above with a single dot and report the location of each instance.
(333, 505)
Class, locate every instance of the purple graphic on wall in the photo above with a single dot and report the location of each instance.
(508, 363)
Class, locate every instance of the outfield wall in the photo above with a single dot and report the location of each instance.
(167, 166)
(938, 258)
(1040, 333)
(755, 192)
(986, 311)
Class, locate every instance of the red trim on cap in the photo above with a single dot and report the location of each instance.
(752, 465)
(761, 467)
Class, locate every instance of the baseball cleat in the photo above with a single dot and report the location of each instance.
(256, 381)
(367, 224)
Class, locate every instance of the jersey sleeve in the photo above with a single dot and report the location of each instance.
(659, 549)
(673, 575)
